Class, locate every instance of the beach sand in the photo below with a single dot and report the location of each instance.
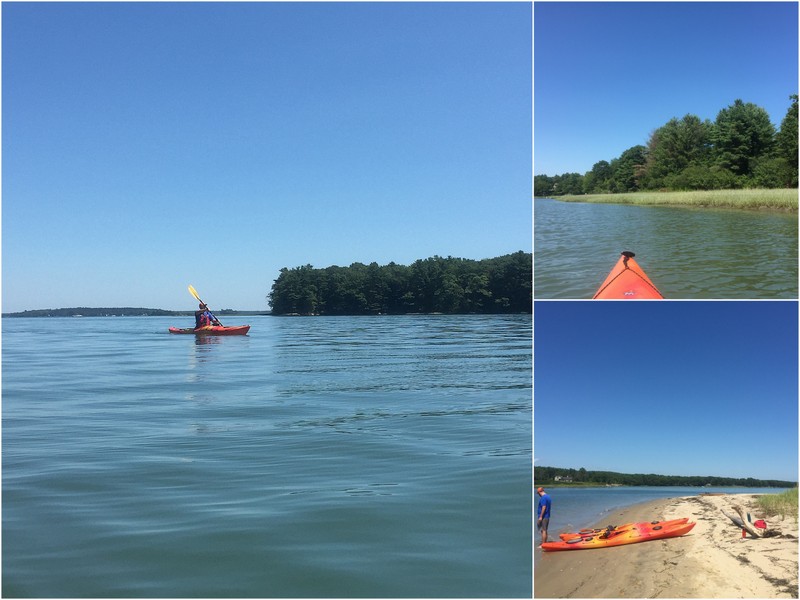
(711, 561)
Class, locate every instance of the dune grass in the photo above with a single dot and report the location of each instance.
(780, 504)
(753, 199)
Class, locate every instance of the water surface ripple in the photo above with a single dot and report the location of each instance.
(316, 457)
(688, 253)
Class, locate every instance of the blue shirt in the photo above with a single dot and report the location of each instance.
(544, 500)
(202, 318)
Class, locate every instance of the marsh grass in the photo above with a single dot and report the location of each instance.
(755, 199)
(780, 504)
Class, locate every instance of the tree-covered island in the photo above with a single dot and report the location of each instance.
(433, 285)
(741, 149)
(501, 285)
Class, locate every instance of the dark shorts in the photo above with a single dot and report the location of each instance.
(542, 525)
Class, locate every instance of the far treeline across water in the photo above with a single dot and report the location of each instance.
(449, 285)
(84, 311)
(741, 149)
(555, 475)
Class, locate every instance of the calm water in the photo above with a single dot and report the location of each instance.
(688, 253)
(576, 508)
(321, 457)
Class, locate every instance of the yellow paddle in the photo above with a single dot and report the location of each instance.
(194, 293)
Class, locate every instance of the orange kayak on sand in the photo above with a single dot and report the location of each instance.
(641, 532)
(627, 281)
(610, 528)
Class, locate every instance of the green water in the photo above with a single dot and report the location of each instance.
(688, 253)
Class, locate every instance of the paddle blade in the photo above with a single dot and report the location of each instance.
(194, 293)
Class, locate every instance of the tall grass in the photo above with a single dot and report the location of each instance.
(780, 504)
(754, 199)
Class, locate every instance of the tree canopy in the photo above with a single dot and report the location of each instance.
(436, 284)
(740, 149)
(547, 475)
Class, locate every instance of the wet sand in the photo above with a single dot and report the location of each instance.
(711, 561)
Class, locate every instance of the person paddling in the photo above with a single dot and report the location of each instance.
(204, 317)
(543, 513)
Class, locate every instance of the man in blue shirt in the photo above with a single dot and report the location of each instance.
(203, 317)
(543, 513)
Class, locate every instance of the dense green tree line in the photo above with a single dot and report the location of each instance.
(741, 149)
(445, 285)
(547, 475)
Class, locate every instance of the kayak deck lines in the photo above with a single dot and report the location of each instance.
(637, 532)
(627, 281)
(610, 528)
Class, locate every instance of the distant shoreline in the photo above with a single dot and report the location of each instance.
(125, 312)
(677, 485)
(145, 312)
(561, 476)
(779, 200)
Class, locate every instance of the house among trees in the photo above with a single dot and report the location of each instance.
(564, 478)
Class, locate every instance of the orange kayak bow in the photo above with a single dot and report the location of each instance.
(627, 281)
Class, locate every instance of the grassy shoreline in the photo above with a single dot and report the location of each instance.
(755, 199)
(780, 504)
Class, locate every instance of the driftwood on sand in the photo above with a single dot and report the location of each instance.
(746, 525)
(742, 522)
(736, 520)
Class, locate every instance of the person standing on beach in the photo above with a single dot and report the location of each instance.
(543, 513)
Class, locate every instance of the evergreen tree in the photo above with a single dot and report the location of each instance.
(598, 180)
(786, 141)
(627, 170)
(675, 146)
(742, 134)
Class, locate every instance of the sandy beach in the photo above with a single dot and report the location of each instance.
(712, 561)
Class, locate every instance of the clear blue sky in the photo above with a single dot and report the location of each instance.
(607, 74)
(676, 388)
(147, 146)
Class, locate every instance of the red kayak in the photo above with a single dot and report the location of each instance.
(627, 281)
(214, 330)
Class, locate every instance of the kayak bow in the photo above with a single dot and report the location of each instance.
(627, 281)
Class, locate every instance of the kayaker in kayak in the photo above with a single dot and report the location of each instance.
(204, 317)
(543, 513)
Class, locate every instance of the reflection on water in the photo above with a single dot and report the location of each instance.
(688, 253)
(203, 340)
(319, 457)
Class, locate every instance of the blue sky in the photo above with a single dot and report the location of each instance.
(677, 388)
(606, 74)
(147, 146)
